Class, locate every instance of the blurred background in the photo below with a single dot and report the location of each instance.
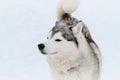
(25, 23)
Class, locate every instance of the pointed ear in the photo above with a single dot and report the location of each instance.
(87, 35)
(78, 28)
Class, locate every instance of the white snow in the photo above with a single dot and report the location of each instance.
(25, 23)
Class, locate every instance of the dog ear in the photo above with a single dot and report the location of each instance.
(85, 31)
(81, 28)
(78, 28)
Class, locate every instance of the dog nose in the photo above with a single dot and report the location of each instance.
(41, 46)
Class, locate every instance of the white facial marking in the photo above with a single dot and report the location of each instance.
(58, 45)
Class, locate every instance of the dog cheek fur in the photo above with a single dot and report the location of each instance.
(67, 58)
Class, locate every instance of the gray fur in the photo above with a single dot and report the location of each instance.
(65, 27)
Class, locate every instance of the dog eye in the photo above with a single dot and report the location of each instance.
(58, 40)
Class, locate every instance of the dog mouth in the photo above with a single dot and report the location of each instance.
(43, 52)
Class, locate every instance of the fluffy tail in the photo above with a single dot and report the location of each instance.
(66, 8)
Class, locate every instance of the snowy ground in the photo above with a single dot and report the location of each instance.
(25, 23)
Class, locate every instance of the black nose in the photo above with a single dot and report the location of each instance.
(41, 46)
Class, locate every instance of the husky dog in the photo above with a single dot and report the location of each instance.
(70, 50)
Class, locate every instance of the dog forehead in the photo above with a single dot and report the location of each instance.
(64, 30)
(58, 35)
(64, 26)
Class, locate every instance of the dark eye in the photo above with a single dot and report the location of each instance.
(58, 40)
(47, 37)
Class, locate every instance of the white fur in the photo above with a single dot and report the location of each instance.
(70, 62)
(66, 60)
(66, 6)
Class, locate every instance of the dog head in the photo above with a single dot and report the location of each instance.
(63, 39)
